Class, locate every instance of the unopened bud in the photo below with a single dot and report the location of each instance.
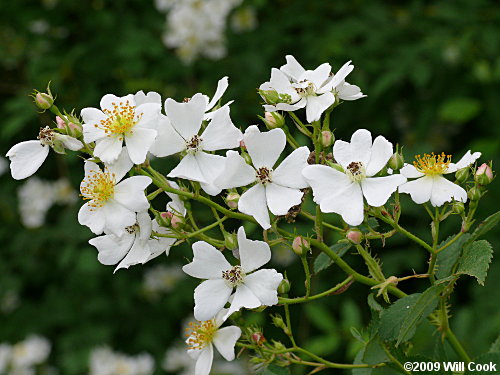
(247, 158)
(242, 145)
(278, 321)
(258, 338)
(284, 286)
(462, 175)
(327, 138)
(71, 128)
(458, 207)
(232, 200)
(474, 194)
(396, 161)
(165, 218)
(354, 235)
(300, 246)
(273, 120)
(43, 100)
(484, 175)
(230, 241)
(172, 220)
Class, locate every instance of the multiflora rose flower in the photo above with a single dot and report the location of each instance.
(112, 203)
(253, 288)
(430, 184)
(27, 157)
(278, 189)
(203, 336)
(122, 119)
(343, 192)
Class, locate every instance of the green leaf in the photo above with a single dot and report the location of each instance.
(374, 353)
(447, 258)
(495, 347)
(374, 305)
(459, 110)
(323, 261)
(273, 369)
(476, 260)
(357, 335)
(487, 224)
(483, 359)
(400, 321)
(358, 360)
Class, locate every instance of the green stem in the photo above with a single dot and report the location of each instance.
(307, 274)
(289, 325)
(306, 298)
(449, 242)
(309, 216)
(459, 349)
(300, 125)
(332, 364)
(154, 194)
(395, 360)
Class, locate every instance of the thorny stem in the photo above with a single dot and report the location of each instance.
(326, 293)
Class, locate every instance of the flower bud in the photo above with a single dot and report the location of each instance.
(258, 338)
(354, 235)
(232, 200)
(270, 96)
(462, 175)
(300, 246)
(474, 194)
(72, 129)
(278, 321)
(44, 101)
(457, 207)
(484, 175)
(273, 120)
(284, 286)
(166, 218)
(247, 158)
(172, 220)
(242, 145)
(230, 241)
(327, 138)
(396, 161)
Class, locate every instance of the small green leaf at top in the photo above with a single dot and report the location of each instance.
(486, 225)
(447, 258)
(323, 261)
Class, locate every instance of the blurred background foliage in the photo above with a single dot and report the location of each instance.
(431, 70)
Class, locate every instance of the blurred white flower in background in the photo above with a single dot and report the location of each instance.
(161, 279)
(104, 361)
(244, 19)
(21, 358)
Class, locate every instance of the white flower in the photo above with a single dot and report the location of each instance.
(180, 134)
(253, 289)
(341, 88)
(342, 192)
(162, 279)
(112, 204)
(430, 184)
(122, 120)
(5, 356)
(103, 361)
(32, 351)
(207, 334)
(278, 189)
(26, 157)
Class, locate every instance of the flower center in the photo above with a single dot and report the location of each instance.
(234, 276)
(200, 334)
(356, 171)
(194, 144)
(46, 136)
(304, 88)
(98, 187)
(120, 120)
(263, 175)
(432, 164)
(131, 229)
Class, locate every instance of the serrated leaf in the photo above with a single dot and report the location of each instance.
(373, 303)
(476, 260)
(485, 226)
(374, 353)
(356, 334)
(323, 261)
(273, 369)
(447, 258)
(358, 360)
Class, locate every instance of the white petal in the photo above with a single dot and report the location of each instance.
(92, 218)
(318, 76)
(168, 141)
(138, 254)
(92, 116)
(108, 100)
(380, 154)
(243, 297)
(444, 190)
(280, 82)
(289, 172)
(225, 340)
(221, 133)
(151, 97)
(358, 150)
(138, 143)
(70, 143)
(25, 158)
(409, 171)
(130, 193)
(465, 161)
(253, 254)
(188, 168)
(377, 190)
(264, 148)
(117, 217)
(145, 225)
(349, 92)
(420, 190)
(108, 148)
(210, 115)
(325, 181)
(281, 198)
(348, 203)
(186, 118)
(222, 86)
(91, 133)
(208, 262)
(316, 105)
(147, 115)
(112, 248)
(253, 202)
(211, 166)
(264, 284)
(290, 107)
(338, 77)
(204, 361)
(119, 167)
(210, 297)
(236, 172)
(292, 68)
(177, 205)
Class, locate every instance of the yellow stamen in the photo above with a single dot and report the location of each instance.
(98, 187)
(200, 334)
(119, 120)
(432, 164)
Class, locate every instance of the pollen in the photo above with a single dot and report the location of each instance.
(46, 136)
(263, 175)
(432, 164)
(120, 120)
(194, 144)
(200, 334)
(234, 276)
(98, 187)
(356, 171)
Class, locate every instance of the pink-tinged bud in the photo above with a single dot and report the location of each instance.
(60, 123)
(258, 338)
(273, 120)
(354, 235)
(44, 101)
(232, 200)
(484, 175)
(177, 222)
(300, 245)
(327, 138)
(242, 145)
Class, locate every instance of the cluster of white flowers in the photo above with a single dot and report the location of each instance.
(37, 196)
(197, 27)
(104, 361)
(23, 357)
